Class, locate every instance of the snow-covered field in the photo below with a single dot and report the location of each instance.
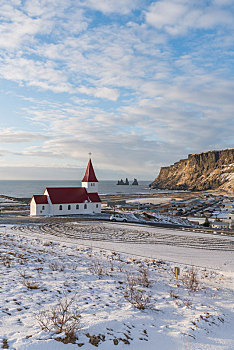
(152, 200)
(119, 285)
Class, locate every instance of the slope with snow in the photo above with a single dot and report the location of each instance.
(40, 269)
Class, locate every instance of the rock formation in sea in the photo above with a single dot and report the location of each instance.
(204, 171)
(135, 182)
(121, 182)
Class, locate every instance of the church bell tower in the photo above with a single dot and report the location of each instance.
(89, 181)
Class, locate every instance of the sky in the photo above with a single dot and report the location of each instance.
(140, 84)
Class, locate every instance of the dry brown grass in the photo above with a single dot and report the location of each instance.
(190, 279)
(61, 318)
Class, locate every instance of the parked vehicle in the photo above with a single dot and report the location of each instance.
(118, 217)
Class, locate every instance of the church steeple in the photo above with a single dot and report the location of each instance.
(89, 173)
(90, 181)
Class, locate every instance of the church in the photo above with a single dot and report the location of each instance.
(69, 200)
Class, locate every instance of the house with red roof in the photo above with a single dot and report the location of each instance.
(69, 200)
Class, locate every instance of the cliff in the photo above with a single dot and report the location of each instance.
(204, 171)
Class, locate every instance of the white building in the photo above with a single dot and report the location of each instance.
(69, 200)
(220, 225)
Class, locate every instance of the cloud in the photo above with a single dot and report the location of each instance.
(121, 84)
(178, 16)
(164, 13)
(43, 75)
(107, 93)
(112, 6)
(10, 135)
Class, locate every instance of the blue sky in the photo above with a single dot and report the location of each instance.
(139, 83)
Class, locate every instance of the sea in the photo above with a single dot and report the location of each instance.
(27, 188)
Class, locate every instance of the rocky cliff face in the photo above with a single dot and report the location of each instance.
(204, 171)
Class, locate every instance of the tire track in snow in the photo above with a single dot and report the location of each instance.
(127, 235)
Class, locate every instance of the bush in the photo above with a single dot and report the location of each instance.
(190, 279)
(31, 284)
(143, 277)
(134, 294)
(61, 318)
(56, 267)
(98, 268)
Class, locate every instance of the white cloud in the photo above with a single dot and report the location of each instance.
(119, 89)
(178, 16)
(107, 93)
(10, 135)
(34, 73)
(112, 6)
(164, 13)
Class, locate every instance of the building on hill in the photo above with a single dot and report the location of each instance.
(69, 200)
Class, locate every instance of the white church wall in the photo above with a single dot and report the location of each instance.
(43, 209)
(91, 187)
(33, 207)
(54, 209)
(38, 209)
(76, 208)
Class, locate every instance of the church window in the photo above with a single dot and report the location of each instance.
(96, 205)
(85, 206)
(69, 207)
(43, 207)
(77, 206)
(60, 207)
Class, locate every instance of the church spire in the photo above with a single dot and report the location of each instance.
(89, 173)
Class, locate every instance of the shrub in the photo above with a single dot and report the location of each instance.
(134, 294)
(190, 279)
(56, 267)
(143, 277)
(24, 274)
(5, 344)
(61, 318)
(98, 268)
(31, 284)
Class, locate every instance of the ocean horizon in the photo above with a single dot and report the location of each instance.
(27, 188)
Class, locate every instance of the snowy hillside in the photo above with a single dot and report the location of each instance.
(111, 300)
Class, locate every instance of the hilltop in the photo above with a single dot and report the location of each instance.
(205, 171)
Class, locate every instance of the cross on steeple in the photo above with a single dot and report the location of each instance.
(90, 155)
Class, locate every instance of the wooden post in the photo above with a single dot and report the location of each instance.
(177, 272)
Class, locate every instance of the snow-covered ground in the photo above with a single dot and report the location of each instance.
(152, 217)
(152, 200)
(120, 283)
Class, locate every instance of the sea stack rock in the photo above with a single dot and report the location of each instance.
(120, 182)
(135, 182)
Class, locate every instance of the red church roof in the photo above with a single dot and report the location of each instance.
(94, 197)
(64, 195)
(89, 173)
(40, 199)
